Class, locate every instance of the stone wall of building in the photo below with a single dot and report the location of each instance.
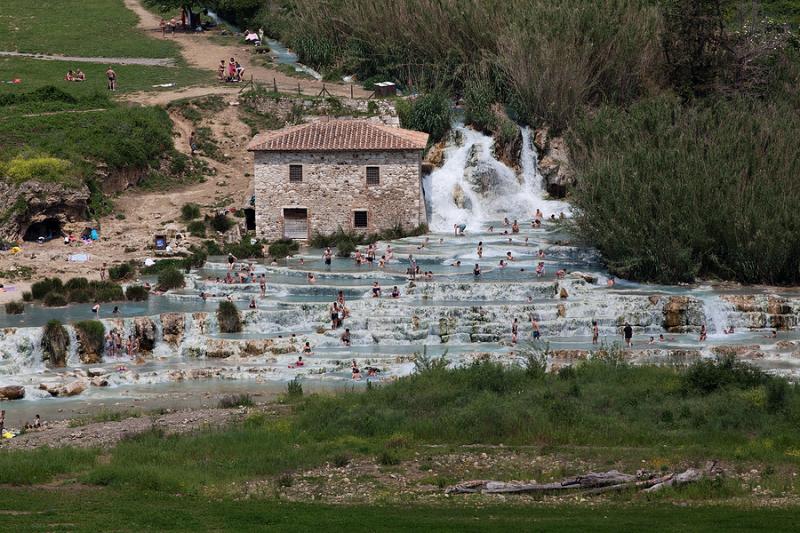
(334, 186)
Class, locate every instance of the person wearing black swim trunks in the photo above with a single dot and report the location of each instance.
(112, 79)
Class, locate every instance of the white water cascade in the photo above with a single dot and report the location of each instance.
(474, 188)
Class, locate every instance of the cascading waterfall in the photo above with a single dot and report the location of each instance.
(718, 314)
(474, 188)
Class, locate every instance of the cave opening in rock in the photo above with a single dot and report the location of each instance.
(49, 228)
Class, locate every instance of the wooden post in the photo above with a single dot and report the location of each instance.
(274, 85)
(351, 91)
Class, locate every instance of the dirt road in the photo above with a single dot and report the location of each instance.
(200, 51)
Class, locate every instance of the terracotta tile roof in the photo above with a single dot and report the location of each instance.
(338, 135)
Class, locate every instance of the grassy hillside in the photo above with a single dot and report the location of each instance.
(103, 28)
(36, 73)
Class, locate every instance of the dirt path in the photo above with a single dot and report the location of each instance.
(105, 434)
(200, 51)
(147, 61)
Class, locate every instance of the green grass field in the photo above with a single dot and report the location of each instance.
(91, 28)
(82, 509)
(611, 415)
(36, 73)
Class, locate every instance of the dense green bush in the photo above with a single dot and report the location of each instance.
(429, 113)
(705, 377)
(41, 168)
(196, 259)
(105, 291)
(197, 228)
(55, 343)
(479, 96)
(41, 288)
(488, 403)
(346, 242)
(121, 272)
(221, 223)
(76, 283)
(245, 249)
(170, 279)
(55, 299)
(80, 296)
(228, 317)
(15, 308)
(281, 249)
(91, 334)
(136, 293)
(190, 212)
(27, 296)
(669, 192)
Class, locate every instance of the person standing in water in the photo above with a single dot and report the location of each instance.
(627, 332)
(480, 250)
(476, 271)
(703, 333)
(595, 332)
(514, 331)
(535, 328)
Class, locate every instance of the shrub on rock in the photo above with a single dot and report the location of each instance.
(228, 318)
(55, 343)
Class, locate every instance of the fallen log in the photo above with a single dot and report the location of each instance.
(589, 484)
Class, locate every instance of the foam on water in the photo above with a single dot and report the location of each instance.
(508, 194)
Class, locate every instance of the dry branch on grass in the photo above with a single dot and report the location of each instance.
(591, 483)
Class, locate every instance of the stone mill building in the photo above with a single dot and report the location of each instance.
(354, 174)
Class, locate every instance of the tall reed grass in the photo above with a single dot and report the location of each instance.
(670, 191)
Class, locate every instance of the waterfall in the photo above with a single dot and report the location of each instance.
(473, 187)
(717, 314)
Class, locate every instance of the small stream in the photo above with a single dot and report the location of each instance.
(279, 52)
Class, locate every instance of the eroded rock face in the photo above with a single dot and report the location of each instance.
(759, 311)
(145, 332)
(86, 350)
(481, 175)
(32, 202)
(555, 165)
(435, 155)
(681, 312)
(173, 326)
(12, 392)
